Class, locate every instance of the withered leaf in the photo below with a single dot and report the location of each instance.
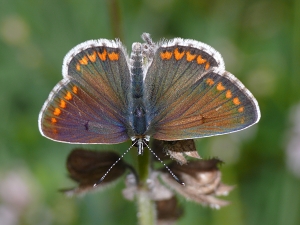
(156, 190)
(86, 167)
(202, 180)
(168, 211)
(177, 149)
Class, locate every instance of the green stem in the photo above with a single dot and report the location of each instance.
(143, 167)
(115, 18)
(146, 209)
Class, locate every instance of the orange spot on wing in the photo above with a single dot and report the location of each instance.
(75, 89)
(62, 104)
(56, 112)
(84, 60)
(207, 65)
(113, 56)
(78, 67)
(93, 56)
(242, 120)
(228, 94)
(210, 82)
(241, 109)
(166, 55)
(55, 131)
(200, 60)
(236, 101)
(53, 120)
(68, 96)
(178, 55)
(190, 57)
(102, 55)
(220, 87)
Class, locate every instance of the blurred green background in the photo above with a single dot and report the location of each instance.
(260, 43)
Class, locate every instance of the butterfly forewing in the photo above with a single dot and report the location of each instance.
(189, 94)
(173, 71)
(90, 104)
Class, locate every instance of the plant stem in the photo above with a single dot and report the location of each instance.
(115, 18)
(146, 210)
(145, 205)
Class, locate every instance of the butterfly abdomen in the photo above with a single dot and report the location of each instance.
(138, 111)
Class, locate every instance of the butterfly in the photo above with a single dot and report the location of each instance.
(172, 90)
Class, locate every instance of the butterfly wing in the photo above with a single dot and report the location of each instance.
(90, 104)
(190, 95)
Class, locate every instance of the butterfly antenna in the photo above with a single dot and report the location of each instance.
(102, 178)
(170, 171)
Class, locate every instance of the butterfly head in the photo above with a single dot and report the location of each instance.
(140, 142)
